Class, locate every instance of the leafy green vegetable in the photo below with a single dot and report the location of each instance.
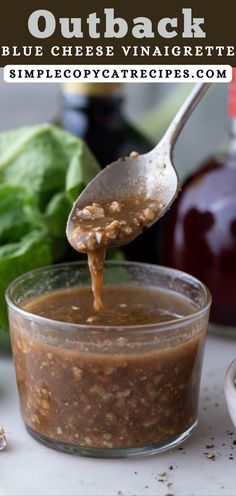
(56, 214)
(32, 251)
(42, 171)
(18, 213)
(41, 158)
(80, 172)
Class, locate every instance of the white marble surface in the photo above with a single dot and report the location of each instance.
(30, 469)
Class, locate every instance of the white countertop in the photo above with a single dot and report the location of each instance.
(30, 469)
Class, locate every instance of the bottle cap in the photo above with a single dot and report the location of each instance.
(232, 95)
(92, 89)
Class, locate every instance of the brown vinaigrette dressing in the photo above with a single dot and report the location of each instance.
(123, 305)
(96, 263)
(114, 223)
(94, 388)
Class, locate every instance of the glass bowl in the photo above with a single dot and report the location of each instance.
(108, 391)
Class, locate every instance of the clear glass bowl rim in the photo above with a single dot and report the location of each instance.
(149, 328)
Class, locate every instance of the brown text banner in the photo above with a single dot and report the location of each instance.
(117, 32)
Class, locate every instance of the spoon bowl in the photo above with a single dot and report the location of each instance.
(150, 176)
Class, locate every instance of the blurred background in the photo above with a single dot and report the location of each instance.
(148, 106)
(45, 170)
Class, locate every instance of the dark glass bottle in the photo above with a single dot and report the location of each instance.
(201, 227)
(93, 111)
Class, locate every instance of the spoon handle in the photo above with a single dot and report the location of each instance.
(184, 113)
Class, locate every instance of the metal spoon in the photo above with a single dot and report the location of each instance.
(149, 176)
